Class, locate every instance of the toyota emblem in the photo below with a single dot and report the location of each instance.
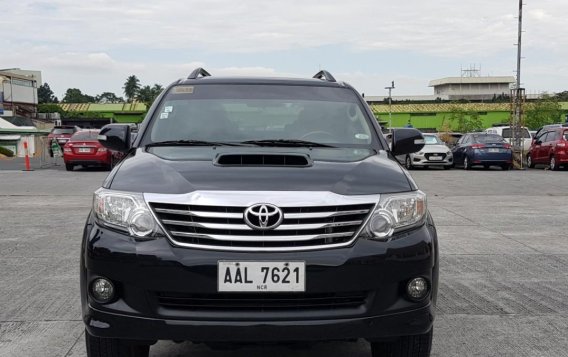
(263, 216)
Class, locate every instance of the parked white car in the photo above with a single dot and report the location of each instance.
(434, 154)
(506, 132)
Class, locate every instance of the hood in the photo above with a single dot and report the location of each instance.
(146, 172)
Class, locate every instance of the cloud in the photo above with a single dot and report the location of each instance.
(252, 37)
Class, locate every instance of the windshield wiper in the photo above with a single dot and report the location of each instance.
(287, 142)
(192, 143)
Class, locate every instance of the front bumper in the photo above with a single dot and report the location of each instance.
(426, 160)
(141, 269)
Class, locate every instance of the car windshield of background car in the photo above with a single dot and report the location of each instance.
(507, 133)
(488, 138)
(238, 113)
(85, 136)
(432, 140)
(62, 131)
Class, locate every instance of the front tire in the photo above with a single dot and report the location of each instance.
(69, 167)
(408, 163)
(553, 165)
(406, 346)
(530, 162)
(113, 347)
(466, 163)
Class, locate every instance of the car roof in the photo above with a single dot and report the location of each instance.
(263, 80)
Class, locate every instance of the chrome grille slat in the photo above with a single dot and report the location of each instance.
(202, 222)
(323, 214)
(244, 227)
(261, 238)
(200, 213)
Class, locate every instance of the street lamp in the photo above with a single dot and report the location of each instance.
(390, 104)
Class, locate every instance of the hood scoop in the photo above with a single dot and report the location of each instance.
(266, 159)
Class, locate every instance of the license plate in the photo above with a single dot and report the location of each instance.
(249, 276)
(494, 150)
(435, 158)
(84, 149)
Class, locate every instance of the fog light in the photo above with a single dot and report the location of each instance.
(417, 288)
(102, 290)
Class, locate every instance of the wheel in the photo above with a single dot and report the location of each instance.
(406, 346)
(466, 163)
(486, 167)
(113, 347)
(408, 163)
(506, 167)
(530, 163)
(447, 167)
(552, 165)
(69, 167)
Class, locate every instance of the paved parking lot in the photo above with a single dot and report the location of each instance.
(504, 265)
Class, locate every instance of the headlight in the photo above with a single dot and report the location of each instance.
(394, 213)
(125, 211)
(448, 153)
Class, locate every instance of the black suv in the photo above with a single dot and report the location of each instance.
(259, 210)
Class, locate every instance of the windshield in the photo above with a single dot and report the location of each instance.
(489, 138)
(239, 113)
(432, 140)
(507, 133)
(85, 136)
(59, 131)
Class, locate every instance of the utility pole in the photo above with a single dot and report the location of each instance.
(390, 103)
(518, 98)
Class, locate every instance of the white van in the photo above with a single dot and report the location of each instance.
(507, 132)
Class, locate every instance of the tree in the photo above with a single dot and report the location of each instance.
(542, 112)
(562, 96)
(74, 95)
(148, 94)
(108, 97)
(46, 95)
(131, 87)
(464, 121)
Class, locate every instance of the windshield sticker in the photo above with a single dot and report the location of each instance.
(183, 89)
(164, 115)
(362, 136)
(168, 109)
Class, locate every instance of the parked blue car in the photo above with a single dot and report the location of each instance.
(481, 149)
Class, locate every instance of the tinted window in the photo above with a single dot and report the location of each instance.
(236, 113)
(489, 138)
(85, 136)
(508, 132)
(553, 136)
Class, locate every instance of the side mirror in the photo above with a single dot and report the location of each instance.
(115, 137)
(406, 141)
(537, 142)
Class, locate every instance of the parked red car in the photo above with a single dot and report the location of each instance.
(84, 149)
(61, 134)
(549, 147)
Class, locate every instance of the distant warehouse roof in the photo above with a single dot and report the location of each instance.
(472, 80)
(108, 107)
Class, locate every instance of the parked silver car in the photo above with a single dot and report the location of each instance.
(434, 154)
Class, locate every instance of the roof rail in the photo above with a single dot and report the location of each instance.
(323, 74)
(198, 71)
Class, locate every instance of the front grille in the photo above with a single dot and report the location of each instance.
(225, 228)
(258, 303)
(427, 156)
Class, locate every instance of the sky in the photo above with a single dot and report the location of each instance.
(95, 45)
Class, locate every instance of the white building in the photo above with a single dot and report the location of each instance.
(18, 91)
(472, 88)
